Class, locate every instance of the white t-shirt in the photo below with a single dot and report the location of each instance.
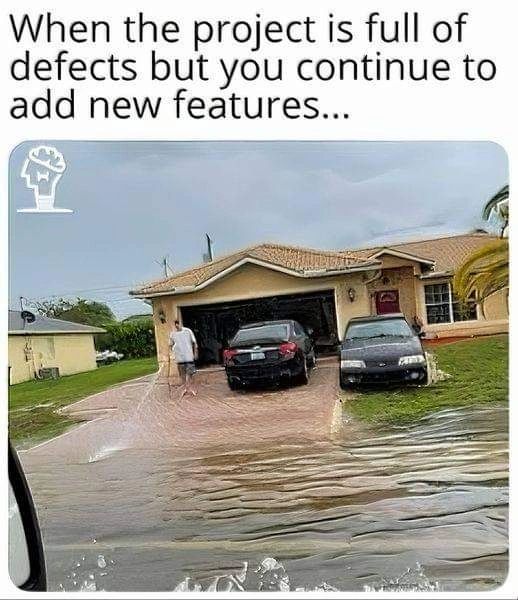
(181, 343)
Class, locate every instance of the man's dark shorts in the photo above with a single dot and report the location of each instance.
(186, 369)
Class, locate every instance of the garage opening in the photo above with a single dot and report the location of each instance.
(215, 324)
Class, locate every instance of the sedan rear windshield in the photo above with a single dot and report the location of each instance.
(371, 329)
(264, 332)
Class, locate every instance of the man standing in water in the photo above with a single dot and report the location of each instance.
(185, 348)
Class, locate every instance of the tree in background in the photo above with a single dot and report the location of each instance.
(145, 318)
(486, 271)
(134, 339)
(87, 312)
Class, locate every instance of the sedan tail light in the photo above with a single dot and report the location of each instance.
(228, 355)
(287, 348)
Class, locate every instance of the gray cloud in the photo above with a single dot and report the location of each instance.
(135, 202)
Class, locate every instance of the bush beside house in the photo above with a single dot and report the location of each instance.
(134, 339)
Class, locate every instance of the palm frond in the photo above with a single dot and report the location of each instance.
(484, 272)
(500, 196)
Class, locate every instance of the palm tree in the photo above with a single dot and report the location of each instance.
(499, 205)
(486, 271)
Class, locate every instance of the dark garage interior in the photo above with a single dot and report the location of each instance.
(215, 324)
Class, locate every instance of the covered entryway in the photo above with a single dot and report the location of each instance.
(215, 324)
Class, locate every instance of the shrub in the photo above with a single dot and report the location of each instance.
(134, 339)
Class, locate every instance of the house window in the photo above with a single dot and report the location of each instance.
(443, 307)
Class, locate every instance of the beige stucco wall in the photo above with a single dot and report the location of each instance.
(253, 281)
(403, 275)
(72, 353)
(20, 369)
(403, 280)
(497, 306)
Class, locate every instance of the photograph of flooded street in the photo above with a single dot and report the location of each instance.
(276, 366)
(422, 507)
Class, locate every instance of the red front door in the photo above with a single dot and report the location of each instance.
(387, 302)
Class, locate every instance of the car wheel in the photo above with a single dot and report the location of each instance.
(344, 384)
(303, 378)
(233, 384)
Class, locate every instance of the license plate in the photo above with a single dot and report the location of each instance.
(257, 356)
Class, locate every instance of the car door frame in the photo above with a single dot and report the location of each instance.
(37, 580)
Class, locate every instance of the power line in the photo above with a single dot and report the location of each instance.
(104, 299)
(84, 291)
(163, 262)
(122, 300)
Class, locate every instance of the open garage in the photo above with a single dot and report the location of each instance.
(215, 324)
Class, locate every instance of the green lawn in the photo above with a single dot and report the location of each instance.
(32, 404)
(479, 374)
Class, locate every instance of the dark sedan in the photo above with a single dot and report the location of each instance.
(381, 349)
(269, 352)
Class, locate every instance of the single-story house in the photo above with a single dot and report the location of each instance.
(48, 343)
(323, 290)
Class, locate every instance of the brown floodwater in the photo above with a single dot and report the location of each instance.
(221, 499)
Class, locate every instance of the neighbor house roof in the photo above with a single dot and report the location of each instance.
(45, 326)
(439, 255)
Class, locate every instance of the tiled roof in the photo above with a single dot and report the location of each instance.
(295, 259)
(446, 252)
(44, 325)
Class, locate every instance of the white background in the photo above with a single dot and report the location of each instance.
(457, 110)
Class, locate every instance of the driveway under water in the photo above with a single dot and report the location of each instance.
(270, 491)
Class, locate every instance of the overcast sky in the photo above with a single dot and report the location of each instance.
(136, 202)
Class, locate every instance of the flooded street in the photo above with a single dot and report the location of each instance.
(268, 491)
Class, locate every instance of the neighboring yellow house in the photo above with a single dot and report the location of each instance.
(48, 343)
(323, 290)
